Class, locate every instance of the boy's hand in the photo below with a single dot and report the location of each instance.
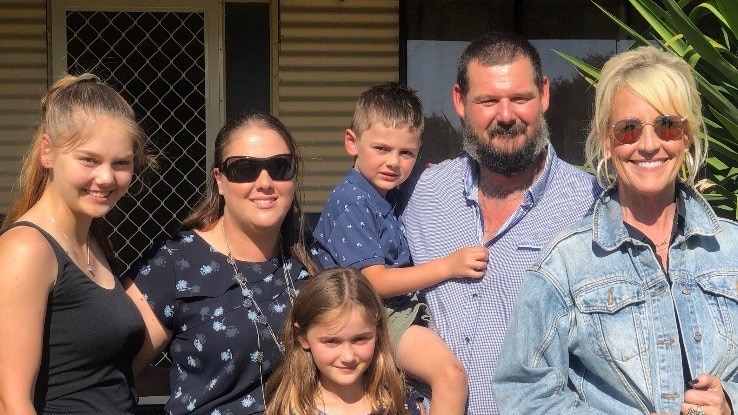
(468, 262)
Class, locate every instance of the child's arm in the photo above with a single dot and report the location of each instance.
(468, 262)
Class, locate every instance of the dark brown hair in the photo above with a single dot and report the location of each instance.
(497, 48)
(210, 209)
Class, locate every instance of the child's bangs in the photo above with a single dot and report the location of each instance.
(338, 317)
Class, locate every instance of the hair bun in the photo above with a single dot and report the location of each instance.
(86, 77)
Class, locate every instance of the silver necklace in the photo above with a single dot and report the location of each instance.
(79, 254)
(250, 302)
(656, 245)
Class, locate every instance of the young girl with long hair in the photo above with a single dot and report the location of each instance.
(69, 331)
(338, 359)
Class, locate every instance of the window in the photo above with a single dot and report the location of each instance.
(437, 31)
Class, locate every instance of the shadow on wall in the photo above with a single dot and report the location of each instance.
(572, 99)
(441, 142)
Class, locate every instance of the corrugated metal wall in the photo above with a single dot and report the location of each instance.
(330, 52)
(22, 82)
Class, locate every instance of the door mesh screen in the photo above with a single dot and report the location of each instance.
(157, 62)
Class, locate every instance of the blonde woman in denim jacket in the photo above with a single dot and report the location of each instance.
(635, 310)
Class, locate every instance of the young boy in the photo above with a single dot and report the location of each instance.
(358, 228)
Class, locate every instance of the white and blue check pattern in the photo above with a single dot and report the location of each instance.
(443, 215)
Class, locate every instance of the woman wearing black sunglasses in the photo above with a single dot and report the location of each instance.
(635, 310)
(218, 292)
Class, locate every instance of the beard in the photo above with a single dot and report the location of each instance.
(508, 162)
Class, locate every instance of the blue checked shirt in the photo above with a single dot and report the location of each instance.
(443, 215)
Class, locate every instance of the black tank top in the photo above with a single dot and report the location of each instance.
(91, 336)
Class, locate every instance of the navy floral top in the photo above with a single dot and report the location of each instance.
(215, 346)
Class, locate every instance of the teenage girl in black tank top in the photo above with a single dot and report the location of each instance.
(70, 332)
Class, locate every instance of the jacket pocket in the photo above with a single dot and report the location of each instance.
(721, 293)
(613, 312)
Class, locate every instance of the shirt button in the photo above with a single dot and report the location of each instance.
(475, 295)
(697, 336)
(467, 339)
(686, 291)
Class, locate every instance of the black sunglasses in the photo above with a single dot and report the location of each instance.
(242, 169)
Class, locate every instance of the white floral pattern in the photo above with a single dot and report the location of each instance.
(193, 290)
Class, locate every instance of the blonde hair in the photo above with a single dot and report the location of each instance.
(67, 111)
(336, 291)
(666, 82)
(391, 104)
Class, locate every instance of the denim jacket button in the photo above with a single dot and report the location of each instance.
(686, 291)
(697, 336)
(683, 246)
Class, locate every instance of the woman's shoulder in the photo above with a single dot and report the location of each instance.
(27, 238)
(26, 251)
(182, 248)
(183, 243)
(568, 254)
(729, 226)
(576, 236)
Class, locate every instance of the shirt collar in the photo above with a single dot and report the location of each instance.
(381, 204)
(532, 195)
(677, 227)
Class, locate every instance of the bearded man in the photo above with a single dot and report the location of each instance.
(508, 191)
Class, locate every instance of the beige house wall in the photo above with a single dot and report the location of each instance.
(328, 52)
(23, 79)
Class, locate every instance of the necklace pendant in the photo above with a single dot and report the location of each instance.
(89, 269)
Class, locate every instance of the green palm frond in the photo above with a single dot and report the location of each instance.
(675, 26)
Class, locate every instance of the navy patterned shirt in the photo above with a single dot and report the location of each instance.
(443, 215)
(358, 227)
(215, 346)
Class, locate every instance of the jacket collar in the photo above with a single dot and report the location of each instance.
(609, 232)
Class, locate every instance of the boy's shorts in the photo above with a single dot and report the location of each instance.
(402, 312)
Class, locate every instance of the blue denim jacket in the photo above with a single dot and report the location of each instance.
(595, 327)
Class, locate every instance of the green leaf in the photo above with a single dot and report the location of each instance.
(659, 21)
(670, 43)
(698, 41)
(713, 95)
(726, 122)
(632, 33)
(581, 65)
(729, 12)
(704, 9)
